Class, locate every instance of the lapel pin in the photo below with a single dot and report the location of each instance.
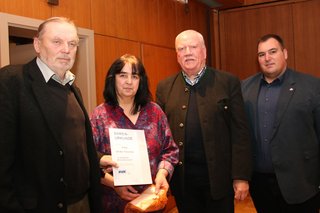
(291, 89)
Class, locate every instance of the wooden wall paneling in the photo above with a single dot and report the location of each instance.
(38, 9)
(199, 18)
(215, 42)
(107, 50)
(183, 17)
(167, 23)
(104, 16)
(78, 11)
(150, 21)
(113, 17)
(143, 25)
(160, 63)
(136, 19)
(240, 30)
(192, 16)
(306, 16)
(199, 21)
(125, 15)
(127, 19)
(238, 43)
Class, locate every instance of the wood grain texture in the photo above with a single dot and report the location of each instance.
(160, 63)
(30, 8)
(77, 10)
(306, 16)
(240, 30)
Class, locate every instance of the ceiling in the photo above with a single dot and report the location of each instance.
(222, 4)
(211, 3)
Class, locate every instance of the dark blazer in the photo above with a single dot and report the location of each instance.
(31, 159)
(223, 123)
(295, 141)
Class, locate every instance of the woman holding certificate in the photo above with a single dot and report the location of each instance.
(118, 124)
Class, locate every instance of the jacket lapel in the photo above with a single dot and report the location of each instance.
(286, 94)
(253, 96)
(42, 96)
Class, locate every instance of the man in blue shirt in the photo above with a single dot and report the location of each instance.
(283, 107)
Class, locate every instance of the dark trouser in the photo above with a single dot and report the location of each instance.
(198, 199)
(267, 197)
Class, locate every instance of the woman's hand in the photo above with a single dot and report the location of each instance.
(161, 180)
(106, 163)
(126, 192)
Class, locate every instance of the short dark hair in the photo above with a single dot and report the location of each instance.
(274, 36)
(143, 95)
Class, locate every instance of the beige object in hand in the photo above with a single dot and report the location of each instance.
(148, 201)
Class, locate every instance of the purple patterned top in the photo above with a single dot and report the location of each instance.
(162, 150)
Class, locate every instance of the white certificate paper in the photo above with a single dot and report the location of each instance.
(129, 150)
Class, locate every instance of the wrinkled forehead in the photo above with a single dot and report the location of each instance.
(61, 30)
(186, 40)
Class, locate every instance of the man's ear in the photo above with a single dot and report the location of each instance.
(36, 44)
(285, 52)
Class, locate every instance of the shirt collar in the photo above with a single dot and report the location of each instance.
(278, 79)
(48, 73)
(196, 79)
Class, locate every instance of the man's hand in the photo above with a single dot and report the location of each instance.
(241, 189)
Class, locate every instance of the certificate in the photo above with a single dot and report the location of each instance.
(129, 150)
